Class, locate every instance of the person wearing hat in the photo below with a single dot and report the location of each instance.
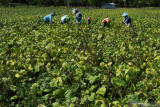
(89, 20)
(126, 20)
(74, 10)
(65, 19)
(78, 16)
(106, 22)
(48, 18)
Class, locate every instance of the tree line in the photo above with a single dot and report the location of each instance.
(92, 3)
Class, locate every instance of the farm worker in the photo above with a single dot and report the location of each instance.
(78, 16)
(106, 22)
(74, 10)
(49, 18)
(89, 20)
(126, 20)
(65, 19)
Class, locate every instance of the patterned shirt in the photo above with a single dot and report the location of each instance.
(79, 15)
(127, 19)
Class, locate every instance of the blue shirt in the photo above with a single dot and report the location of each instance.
(48, 18)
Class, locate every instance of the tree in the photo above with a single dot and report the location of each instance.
(124, 3)
(68, 3)
(30, 2)
(38, 2)
(95, 2)
(56, 2)
(6, 2)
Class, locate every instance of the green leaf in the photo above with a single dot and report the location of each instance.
(57, 92)
(56, 104)
(41, 105)
(38, 65)
(40, 92)
(18, 75)
(36, 68)
(74, 99)
(34, 86)
(93, 79)
(12, 104)
(118, 72)
(96, 102)
(84, 99)
(59, 81)
(72, 105)
(5, 79)
(45, 97)
(99, 37)
(13, 88)
(14, 97)
(115, 102)
(102, 64)
(47, 90)
(52, 83)
(93, 87)
(103, 105)
(101, 90)
(30, 67)
(91, 98)
(79, 72)
(109, 64)
(1, 97)
(134, 105)
(126, 105)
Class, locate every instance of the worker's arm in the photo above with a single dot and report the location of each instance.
(77, 15)
(63, 21)
(50, 18)
(125, 19)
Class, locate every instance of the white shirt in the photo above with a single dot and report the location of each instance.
(63, 18)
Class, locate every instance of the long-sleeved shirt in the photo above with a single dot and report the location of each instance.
(127, 19)
(107, 20)
(79, 15)
(63, 19)
(48, 18)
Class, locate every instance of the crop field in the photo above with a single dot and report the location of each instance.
(55, 65)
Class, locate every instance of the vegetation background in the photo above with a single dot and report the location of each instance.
(93, 3)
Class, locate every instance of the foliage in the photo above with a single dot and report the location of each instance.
(6, 2)
(97, 3)
(86, 65)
